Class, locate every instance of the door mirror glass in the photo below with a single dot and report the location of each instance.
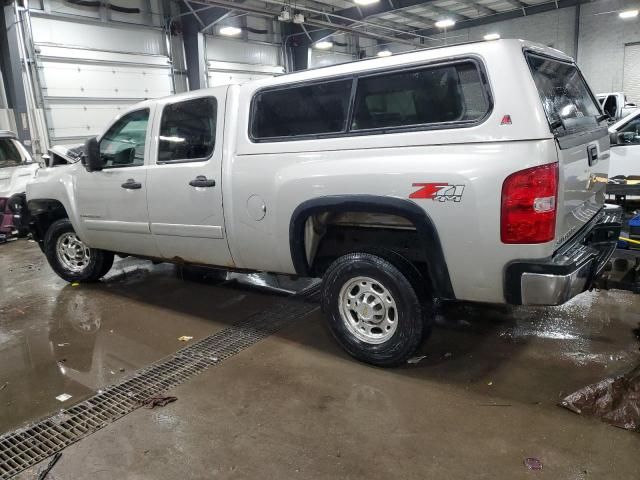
(613, 138)
(91, 158)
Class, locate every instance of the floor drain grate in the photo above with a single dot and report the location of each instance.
(24, 448)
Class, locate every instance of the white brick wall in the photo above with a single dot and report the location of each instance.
(601, 43)
(602, 40)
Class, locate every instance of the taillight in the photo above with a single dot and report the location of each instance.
(529, 204)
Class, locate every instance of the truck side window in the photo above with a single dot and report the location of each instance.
(449, 93)
(9, 154)
(188, 130)
(302, 110)
(630, 133)
(123, 144)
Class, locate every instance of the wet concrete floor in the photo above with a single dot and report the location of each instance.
(481, 400)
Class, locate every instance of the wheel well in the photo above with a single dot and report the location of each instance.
(42, 213)
(325, 228)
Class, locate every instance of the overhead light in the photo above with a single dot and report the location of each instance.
(285, 15)
(447, 22)
(628, 14)
(298, 17)
(230, 31)
(324, 45)
(384, 53)
(366, 2)
(492, 36)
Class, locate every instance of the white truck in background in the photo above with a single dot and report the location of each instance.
(616, 104)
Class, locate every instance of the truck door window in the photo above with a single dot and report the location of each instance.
(611, 106)
(432, 95)
(9, 153)
(123, 144)
(566, 98)
(301, 110)
(630, 133)
(188, 130)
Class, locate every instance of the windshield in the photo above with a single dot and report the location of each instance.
(566, 98)
(9, 153)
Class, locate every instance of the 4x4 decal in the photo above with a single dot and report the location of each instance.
(441, 192)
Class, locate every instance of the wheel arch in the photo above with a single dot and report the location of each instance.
(437, 269)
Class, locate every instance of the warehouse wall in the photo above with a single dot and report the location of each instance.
(601, 45)
(603, 37)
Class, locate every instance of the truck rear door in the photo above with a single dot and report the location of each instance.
(185, 179)
(582, 141)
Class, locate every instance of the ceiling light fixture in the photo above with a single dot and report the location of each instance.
(366, 2)
(385, 53)
(445, 23)
(628, 14)
(324, 45)
(492, 36)
(230, 31)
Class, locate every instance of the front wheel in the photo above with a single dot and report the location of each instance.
(70, 258)
(373, 309)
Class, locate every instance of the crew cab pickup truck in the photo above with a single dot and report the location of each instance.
(463, 173)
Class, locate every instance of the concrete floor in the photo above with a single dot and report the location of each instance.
(294, 405)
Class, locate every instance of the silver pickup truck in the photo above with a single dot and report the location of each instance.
(474, 172)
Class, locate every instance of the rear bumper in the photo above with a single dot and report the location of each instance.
(571, 270)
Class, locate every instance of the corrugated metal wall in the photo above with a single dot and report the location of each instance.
(631, 74)
(239, 61)
(90, 69)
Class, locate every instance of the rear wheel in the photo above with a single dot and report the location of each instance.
(373, 309)
(70, 258)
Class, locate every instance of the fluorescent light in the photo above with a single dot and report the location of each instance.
(628, 14)
(384, 53)
(492, 36)
(230, 31)
(324, 45)
(366, 2)
(447, 22)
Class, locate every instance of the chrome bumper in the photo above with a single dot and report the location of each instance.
(571, 270)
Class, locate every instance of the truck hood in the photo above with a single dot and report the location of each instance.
(14, 179)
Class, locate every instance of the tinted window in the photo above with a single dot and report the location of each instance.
(630, 133)
(9, 153)
(566, 98)
(123, 144)
(188, 130)
(305, 110)
(452, 93)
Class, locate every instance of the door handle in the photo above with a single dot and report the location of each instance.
(202, 181)
(131, 184)
(592, 155)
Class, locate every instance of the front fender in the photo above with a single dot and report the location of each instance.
(56, 184)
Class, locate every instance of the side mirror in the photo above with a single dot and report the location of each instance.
(91, 159)
(613, 138)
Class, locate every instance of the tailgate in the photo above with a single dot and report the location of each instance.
(582, 141)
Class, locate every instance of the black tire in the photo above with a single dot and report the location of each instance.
(98, 265)
(394, 349)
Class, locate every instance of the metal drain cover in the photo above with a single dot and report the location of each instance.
(30, 445)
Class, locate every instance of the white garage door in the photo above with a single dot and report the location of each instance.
(90, 72)
(231, 61)
(631, 83)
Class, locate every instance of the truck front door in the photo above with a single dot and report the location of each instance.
(113, 202)
(185, 191)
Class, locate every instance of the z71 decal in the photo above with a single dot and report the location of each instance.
(441, 192)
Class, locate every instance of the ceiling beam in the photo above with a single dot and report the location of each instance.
(500, 17)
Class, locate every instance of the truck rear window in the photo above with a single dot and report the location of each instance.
(566, 98)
